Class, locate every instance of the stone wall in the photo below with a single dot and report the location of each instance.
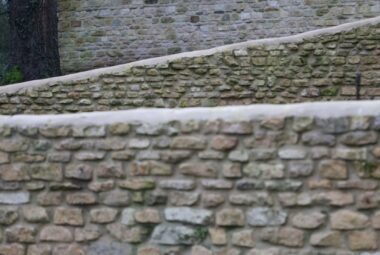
(315, 66)
(248, 180)
(103, 33)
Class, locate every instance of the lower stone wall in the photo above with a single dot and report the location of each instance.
(279, 180)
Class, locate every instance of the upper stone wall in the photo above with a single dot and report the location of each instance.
(315, 66)
(103, 33)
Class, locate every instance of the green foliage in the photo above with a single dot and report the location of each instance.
(13, 75)
(365, 168)
(198, 236)
(331, 91)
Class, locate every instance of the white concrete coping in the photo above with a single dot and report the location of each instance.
(164, 60)
(228, 113)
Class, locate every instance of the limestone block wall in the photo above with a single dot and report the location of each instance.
(245, 180)
(315, 66)
(103, 33)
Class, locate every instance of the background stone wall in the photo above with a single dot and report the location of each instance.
(130, 183)
(104, 33)
(318, 66)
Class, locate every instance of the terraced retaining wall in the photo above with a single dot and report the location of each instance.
(103, 33)
(315, 66)
(248, 180)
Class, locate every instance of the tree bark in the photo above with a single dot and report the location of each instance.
(34, 38)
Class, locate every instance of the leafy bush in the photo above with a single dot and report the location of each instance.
(12, 75)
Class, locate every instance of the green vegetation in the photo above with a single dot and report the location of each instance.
(13, 75)
(198, 236)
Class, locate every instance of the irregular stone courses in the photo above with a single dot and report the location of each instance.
(288, 196)
(320, 67)
(103, 33)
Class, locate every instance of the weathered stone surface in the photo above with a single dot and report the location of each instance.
(241, 128)
(269, 251)
(88, 233)
(39, 249)
(362, 240)
(125, 233)
(110, 170)
(68, 216)
(101, 186)
(200, 250)
(238, 156)
(223, 143)
(212, 199)
(108, 246)
(301, 124)
(137, 184)
(218, 236)
(314, 138)
(230, 217)
(359, 138)
(198, 169)
(21, 234)
(35, 214)
(258, 198)
(326, 239)
(81, 198)
(264, 170)
(273, 123)
(50, 198)
(172, 235)
(103, 215)
(244, 238)
(335, 198)
(149, 251)
(135, 143)
(150, 168)
(292, 153)
(119, 129)
(286, 236)
(308, 220)
(376, 220)
(128, 217)
(14, 172)
(148, 216)
(12, 249)
(13, 145)
(79, 171)
(333, 169)
(56, 234)
(177, 184)
(183, 198)
(89, 131)
(350, 154)
(263, 216)
(14, 198)
(188, 215)
(90, 155)
(73, 249)
(217, 184)
(300, 168)
(8, 215)
(188, 142)
(46, 172)
(346, 220)
(232, 170)
(115, 198)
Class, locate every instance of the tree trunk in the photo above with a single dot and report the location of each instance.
(34, 38)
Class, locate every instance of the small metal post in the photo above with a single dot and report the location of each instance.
(358, 81)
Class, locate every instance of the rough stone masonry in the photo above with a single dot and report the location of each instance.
(315, 66)
(245, 180)
(104, 33)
